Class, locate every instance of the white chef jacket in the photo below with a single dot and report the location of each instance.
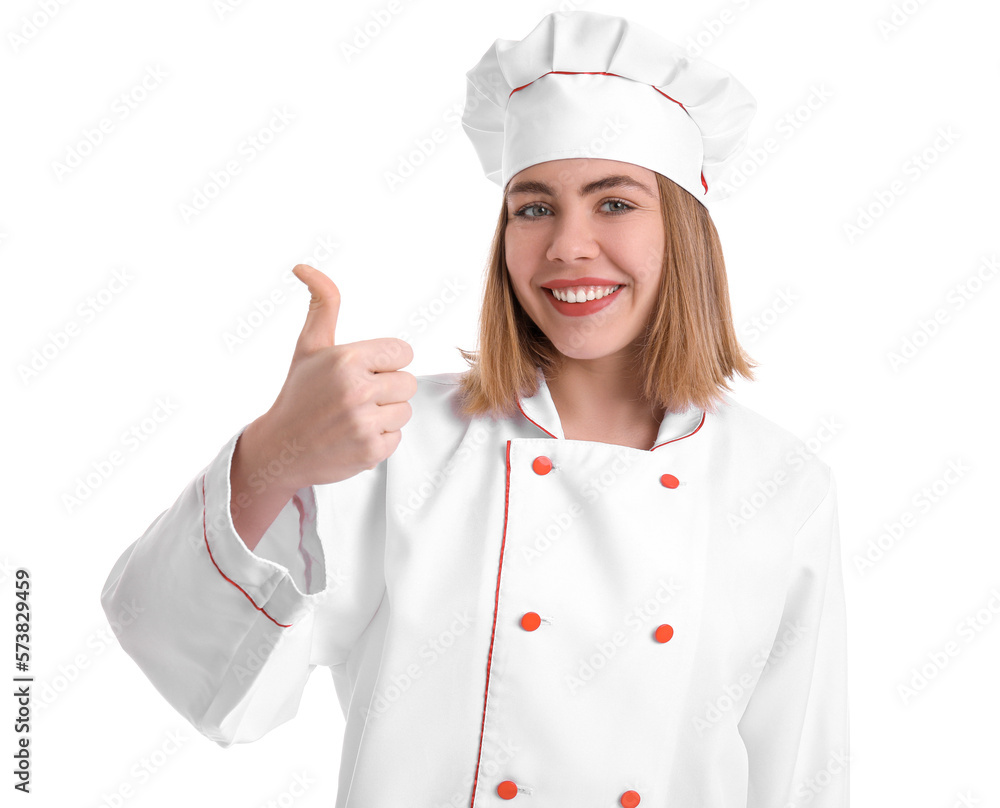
(569, 623)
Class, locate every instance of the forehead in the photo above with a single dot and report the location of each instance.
(582, 176)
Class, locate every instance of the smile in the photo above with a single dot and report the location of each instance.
(592, 299)
(581, 294)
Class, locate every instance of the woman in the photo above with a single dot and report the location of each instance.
(585, 575)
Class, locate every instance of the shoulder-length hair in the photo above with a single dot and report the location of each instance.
(688, 349)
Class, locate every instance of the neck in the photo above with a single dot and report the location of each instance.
(603, 397)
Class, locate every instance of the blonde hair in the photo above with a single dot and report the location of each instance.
(688, 349)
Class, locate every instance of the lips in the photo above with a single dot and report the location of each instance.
(587, 307)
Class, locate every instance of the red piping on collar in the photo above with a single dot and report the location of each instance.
(602, 73)
(701, 423)
(534, 422)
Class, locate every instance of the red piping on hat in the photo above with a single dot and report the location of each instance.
(496, 605)
(205, 528)
(567, 73)
(602, 73)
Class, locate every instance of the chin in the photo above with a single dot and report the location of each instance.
(585, 348)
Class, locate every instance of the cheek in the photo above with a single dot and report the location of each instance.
(638, 249)
(648, 272)
(521, 291)
(647, 301)
(645, 265)
(519, 257)
(645, 261)
(517, 248)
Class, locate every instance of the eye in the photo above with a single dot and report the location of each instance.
(521, 211)
(619, 207)
(625, 206)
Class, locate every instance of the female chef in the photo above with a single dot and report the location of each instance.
(586, 576)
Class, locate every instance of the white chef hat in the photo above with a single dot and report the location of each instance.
(584, 84)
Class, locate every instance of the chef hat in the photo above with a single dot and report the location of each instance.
(584, 84)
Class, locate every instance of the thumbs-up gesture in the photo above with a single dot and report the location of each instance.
(341, 406)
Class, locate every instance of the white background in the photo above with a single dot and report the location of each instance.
(884, 80)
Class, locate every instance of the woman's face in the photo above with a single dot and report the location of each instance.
(586, 223)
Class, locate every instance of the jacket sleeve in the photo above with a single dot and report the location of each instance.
(796, 724)
(226, 634)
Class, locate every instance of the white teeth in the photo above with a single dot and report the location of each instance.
(578, 294)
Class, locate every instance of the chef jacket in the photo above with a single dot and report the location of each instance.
(508, 614)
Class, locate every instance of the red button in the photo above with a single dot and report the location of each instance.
(507, 789)
(542, 465)
(664, 632)
(670, 481)
(530, 621)
(630, 799)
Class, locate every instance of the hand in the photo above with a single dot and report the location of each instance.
(342, 406)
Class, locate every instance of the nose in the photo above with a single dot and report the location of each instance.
(572, 236)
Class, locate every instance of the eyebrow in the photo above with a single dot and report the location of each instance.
(603, 184)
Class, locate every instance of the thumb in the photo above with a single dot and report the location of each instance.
(324, 305)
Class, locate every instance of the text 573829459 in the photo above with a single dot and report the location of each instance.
(22, 681)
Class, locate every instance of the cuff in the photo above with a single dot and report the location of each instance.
(287, 577)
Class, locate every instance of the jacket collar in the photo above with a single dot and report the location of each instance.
(540, 410)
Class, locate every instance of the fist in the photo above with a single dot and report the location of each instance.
(346, 404)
